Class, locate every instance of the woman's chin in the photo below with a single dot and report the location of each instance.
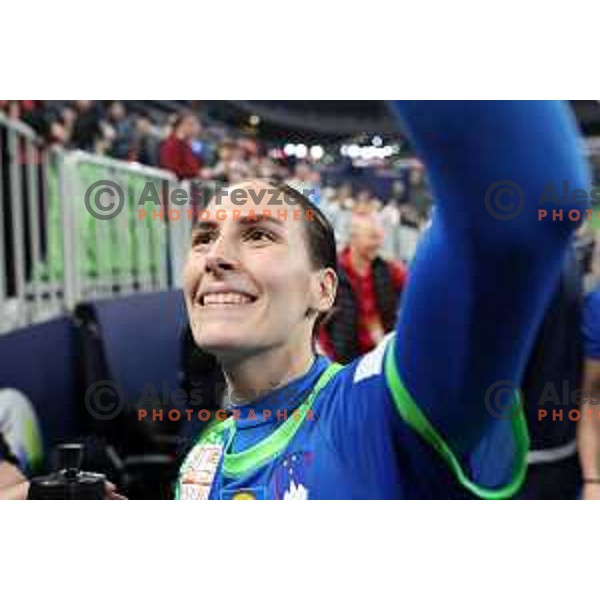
(220, 343)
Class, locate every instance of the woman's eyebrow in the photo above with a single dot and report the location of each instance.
(243, 221)
(247, 220)
(204, 225)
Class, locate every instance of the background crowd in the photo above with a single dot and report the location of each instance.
(197, 148)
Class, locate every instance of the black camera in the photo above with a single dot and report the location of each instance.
(69, 482)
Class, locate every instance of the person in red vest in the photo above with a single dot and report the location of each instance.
(368, 294)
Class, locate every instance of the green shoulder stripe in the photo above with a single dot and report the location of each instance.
(412, 414)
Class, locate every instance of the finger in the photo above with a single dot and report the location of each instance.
(115, 496)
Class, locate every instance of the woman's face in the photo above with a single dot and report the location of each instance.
(249, 283)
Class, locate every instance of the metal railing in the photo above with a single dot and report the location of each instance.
(59, 242)
(25, 295)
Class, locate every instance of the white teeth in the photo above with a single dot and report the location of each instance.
(228, 298)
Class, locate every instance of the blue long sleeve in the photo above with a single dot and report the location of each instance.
(480, 282)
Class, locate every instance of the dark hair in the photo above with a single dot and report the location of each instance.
(319, 232)
(320, 236)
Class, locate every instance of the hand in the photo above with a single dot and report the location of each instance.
(16, 491)
(13, 484)
(111, 492)
(591, 491)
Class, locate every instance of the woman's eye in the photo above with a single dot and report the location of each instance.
(201, 238)
(259, 235)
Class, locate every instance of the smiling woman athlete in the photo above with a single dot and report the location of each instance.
(410, 419)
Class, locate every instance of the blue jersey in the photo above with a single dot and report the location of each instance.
(413, 418)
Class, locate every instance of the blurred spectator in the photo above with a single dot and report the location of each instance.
(35, 114)
(329, 203)
(121, 131)
(13, 109)
(418, 191)
(390, 213)
(69, 116)
(267, 169)
(145, 142)
(238, 167)
(398, 194)
(307, 181)
(336, 206)
(390, 220)
(221, 170)
(364, 204)
(47, 121)
(368, 294)
(87, 133)
(176, 153)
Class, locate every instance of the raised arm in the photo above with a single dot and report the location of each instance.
(486, 268)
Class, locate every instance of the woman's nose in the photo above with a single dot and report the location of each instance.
(216, 263)
(220, 257)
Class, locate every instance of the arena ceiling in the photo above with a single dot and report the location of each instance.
(333, 119)
(321, 121)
